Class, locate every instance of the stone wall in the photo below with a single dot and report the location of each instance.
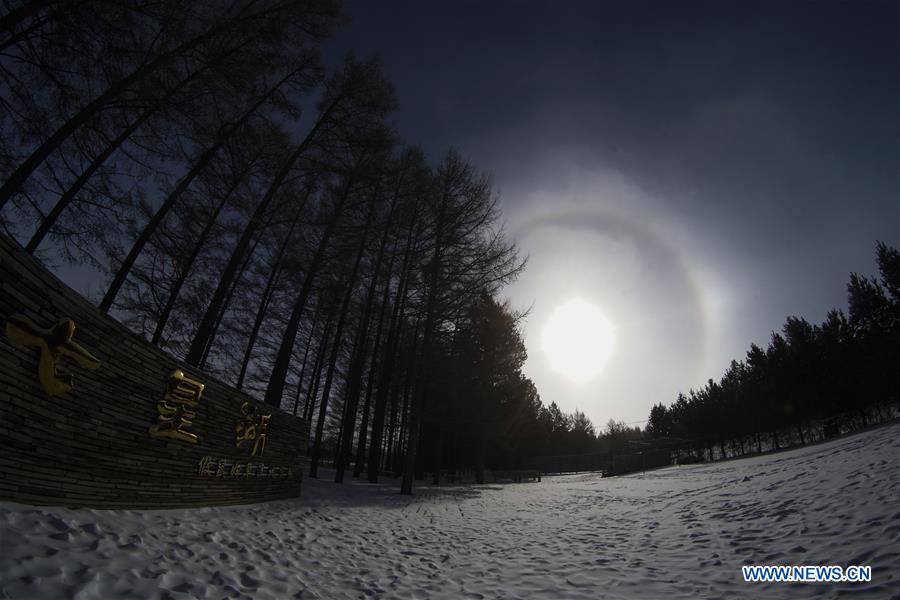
(92, 446)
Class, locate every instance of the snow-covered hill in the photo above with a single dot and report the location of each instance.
(679, 532)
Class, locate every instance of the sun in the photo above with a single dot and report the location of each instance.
(578, 340)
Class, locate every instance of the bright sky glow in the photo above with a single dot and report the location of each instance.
(578, 340)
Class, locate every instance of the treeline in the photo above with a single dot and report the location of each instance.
(811, 382)
(484, 413)
(561, 433)
(257, 216)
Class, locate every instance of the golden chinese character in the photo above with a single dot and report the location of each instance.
(252, 427)
(53, 344)
(176, 409)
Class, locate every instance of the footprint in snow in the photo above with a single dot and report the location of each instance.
(250, 582)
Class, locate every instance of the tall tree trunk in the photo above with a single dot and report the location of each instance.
(386, 383)
(326, 391)
(354, 373)
(419, 467)
(269, 289)
(342, 320)
(279, 372)
(15, 181)
(401, 443)
(422, 374)
(206, 330)
(195, 252)
(398, 431)
(438, 446)
(389, 358)
(373, 365)
(15, 17)
(482, 454)
(321, 353)
(364, 424)
(387, 457)
(309, 339)
(49, 221)
(198, 167)
(230, 293)
(323, 404)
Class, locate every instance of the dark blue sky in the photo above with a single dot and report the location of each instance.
(699, 170)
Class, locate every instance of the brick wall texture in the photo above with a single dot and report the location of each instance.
(92, 447)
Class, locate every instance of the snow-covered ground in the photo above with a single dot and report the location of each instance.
(679, 532)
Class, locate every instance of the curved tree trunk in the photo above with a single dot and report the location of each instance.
(373, 366)
(342, 319)
(185, 182)
(270, 288)
(205, 330)
(186, 269)
(326, 392)
(49, 221)
(286, 349)
(309, 340)
(15, 181)
(421, 374)
(400, 439)
(309, 407)
(15, 17)
(389, 358)
(226, 302)
(354, 372)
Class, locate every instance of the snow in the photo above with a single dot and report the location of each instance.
(678, 532)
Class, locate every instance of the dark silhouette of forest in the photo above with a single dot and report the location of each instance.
(811, 382)
(254, 213)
